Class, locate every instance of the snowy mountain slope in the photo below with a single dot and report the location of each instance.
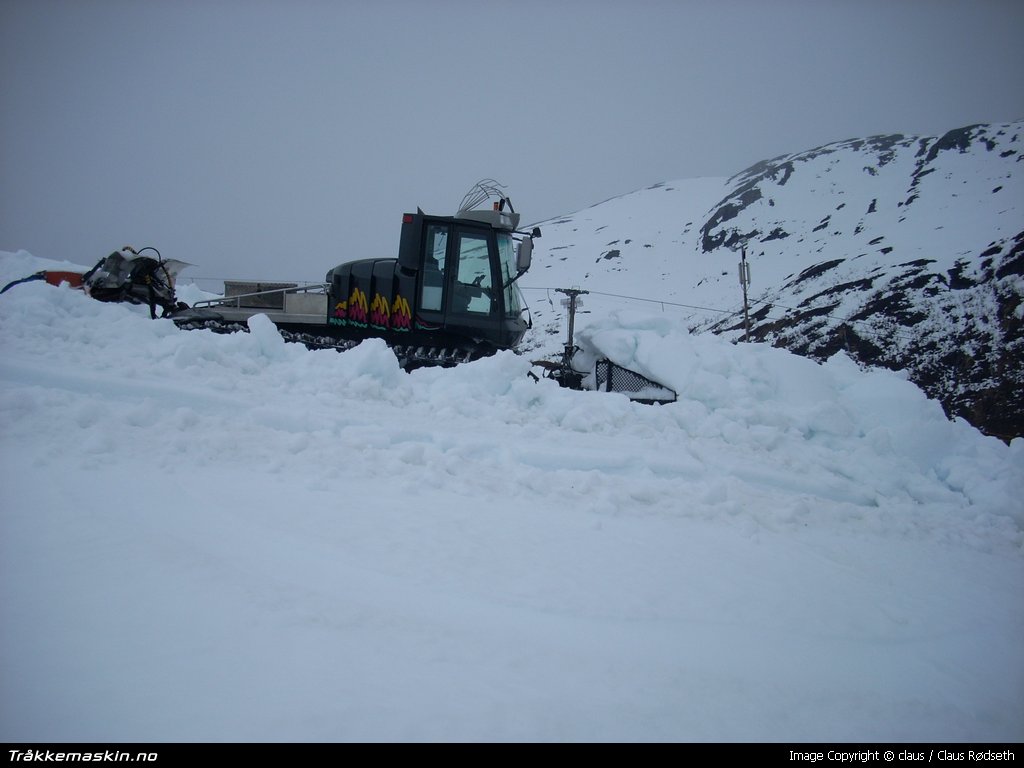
(906, 252)
(229, 538)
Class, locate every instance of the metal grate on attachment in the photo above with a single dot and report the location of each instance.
(614, 378)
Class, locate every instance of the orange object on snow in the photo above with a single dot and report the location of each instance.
(74, 279)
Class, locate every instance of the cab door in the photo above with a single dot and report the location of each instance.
(471, 277)
(459, 291)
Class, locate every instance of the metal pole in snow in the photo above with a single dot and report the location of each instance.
(745, 281)
(571, 304)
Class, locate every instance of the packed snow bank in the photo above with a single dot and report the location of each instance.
(227, 537)
(897, 444)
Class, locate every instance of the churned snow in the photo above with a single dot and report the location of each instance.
(229, 538)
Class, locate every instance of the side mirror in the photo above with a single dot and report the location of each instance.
(536, 232)
(524, 255)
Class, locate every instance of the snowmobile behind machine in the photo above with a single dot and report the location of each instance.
(449, 297)
(126, 275)
(136, 277)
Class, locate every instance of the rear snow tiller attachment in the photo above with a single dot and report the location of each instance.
(608, 376)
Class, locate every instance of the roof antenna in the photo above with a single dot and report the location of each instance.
(481, 192)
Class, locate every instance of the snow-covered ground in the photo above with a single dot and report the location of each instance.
(228, 538)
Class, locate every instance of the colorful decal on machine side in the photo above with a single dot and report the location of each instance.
(339, 314)
(357, 308)
(380, 312)
(423, 325)
(401, 315)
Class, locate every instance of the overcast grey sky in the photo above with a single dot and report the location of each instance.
(274, 139)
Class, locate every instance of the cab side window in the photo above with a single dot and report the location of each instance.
(433, 267)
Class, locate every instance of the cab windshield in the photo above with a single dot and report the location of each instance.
(507, 258)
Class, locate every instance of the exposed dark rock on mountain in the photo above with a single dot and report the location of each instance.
(951, 319)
